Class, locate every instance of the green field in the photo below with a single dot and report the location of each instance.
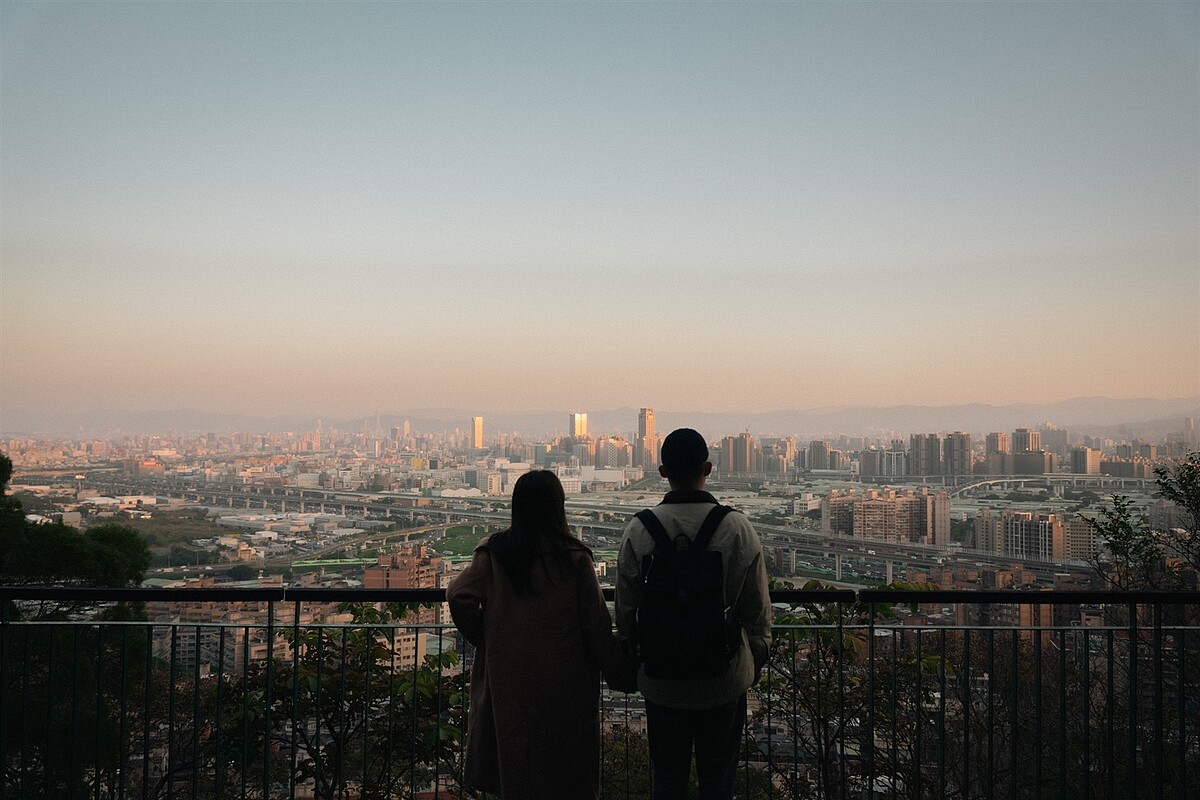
(172, 527)
(460, 540)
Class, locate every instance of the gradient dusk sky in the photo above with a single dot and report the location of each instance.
(330, 208)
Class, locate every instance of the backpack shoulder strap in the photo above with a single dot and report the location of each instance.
(709, 527)
(655, 528)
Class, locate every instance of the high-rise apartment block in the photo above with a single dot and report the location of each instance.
(646, 446)
(957, 458)
(1022, 535)
(870, 464)
(924, 454)
(902, 517)
(1035, 462)
(1085, 461)
(739, 455)
(613, 452)
(997, 455)
(577, 425)
(477, 433)
(818, 454)
(1026, 441)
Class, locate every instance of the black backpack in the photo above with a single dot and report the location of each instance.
(685, 629)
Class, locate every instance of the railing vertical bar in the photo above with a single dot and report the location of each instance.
(171, 712)
(1014, 715)
(920, 708)
(24, 774)
(989, 776)
(48, 776)
(1181, 692)
(437, 747)
(387, 756)
(793, 691)
(869, 739)
(267, 699)
(942, 713)
(295, 696)
(625, 738)
(770, 701)
(1037, 712)
(1160, 773)
(123, 733)
(319, 766)
(966, 713)
(196, 719)
(96, 768)
(368, 644)
(841, 648)
(245, 709)
(1062, 712)
(1132, 788)
(146, 711)
(1110, 713)
(75, 710)
(412, 743)
(5, 659)
(1087, 714)
(746, 757)
(339, 774)
(219, 767)
(895, 763)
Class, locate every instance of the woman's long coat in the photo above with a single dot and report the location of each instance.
(534, 724)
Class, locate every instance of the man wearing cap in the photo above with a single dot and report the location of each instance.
(704, 714)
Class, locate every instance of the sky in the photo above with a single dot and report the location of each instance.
(321, 208)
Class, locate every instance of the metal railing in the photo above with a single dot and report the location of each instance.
(257, 693)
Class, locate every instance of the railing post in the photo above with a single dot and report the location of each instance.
(1133, 700)
(4, 662)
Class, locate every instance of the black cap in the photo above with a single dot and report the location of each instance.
(684, 452)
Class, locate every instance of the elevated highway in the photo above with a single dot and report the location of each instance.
(602, 520)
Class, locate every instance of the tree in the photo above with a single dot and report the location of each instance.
(47, 665)
(1140, 556)
(343, 712)
(241, 572)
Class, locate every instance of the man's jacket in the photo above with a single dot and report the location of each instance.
(682, 512)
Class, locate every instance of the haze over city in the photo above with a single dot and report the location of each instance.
(327, 209)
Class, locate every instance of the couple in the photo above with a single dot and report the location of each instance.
(531, 605)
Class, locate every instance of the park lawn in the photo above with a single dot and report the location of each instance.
(460, 540)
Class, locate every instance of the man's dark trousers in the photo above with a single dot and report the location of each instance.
(716, 734)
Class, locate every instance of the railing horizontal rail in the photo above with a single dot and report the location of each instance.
(326, 595)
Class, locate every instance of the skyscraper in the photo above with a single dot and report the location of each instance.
(477, 433)
(577, 425)
(818, 454)
(1085, 461)
(1026, 441)
(925, 454)
(741, 453)
(646, 450)
(997, 456)
(956, 453)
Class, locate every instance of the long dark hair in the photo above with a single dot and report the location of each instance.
(539, 529)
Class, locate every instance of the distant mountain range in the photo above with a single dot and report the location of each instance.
(1100, 416)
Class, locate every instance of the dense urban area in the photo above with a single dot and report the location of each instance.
(393, 508)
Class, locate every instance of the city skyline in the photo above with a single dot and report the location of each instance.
(321, 210)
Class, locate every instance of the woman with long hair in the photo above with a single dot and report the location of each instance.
(530, 604)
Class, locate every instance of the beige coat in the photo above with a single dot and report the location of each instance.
(534, 719)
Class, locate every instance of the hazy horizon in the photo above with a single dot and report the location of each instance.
(1146, 416)
(319, 210)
